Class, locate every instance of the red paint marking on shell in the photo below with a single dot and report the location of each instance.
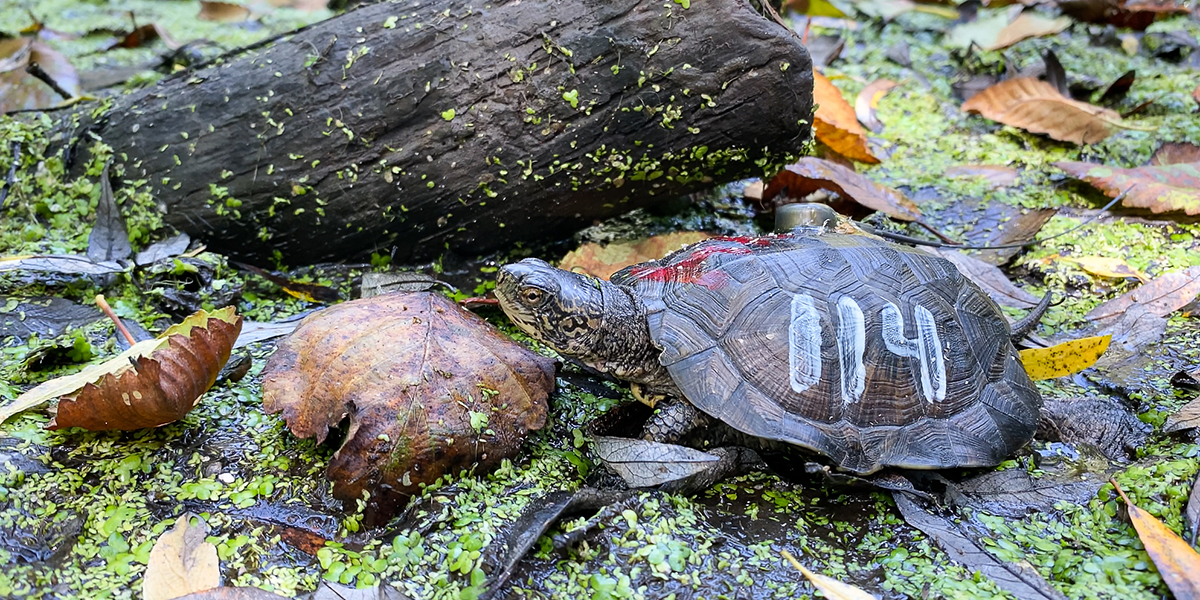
(691, 269)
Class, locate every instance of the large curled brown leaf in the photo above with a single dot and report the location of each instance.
(429, 388)
(811, 174)
(1160, 188)
(153, 383)
(164, 386)
(1034, 105)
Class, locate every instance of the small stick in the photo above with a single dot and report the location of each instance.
(103, 304)
(37, 71)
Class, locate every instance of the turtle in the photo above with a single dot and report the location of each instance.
(825, 337)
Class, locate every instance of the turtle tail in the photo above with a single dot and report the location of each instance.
(1026, 325)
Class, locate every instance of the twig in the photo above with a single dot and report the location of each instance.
(12, 173)
(103, 304)
(37, 71)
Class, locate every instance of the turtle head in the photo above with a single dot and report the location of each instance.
(562, 309)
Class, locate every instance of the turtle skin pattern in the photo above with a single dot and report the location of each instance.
(870, 353)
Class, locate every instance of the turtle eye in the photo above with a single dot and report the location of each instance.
(532, 296)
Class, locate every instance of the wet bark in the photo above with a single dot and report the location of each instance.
(415, 127)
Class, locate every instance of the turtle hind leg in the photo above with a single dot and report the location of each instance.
(673, 420)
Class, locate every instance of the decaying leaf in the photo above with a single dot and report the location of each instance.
(1118, 89)
(868, 100)
(377, 284)
(997, 175)
(603, 260)
(68, 264)
(1178, 563)
(1029, 24)
(20, 90)
(982, 32)
(144, 35)
(429, 388)
(1162, 296)
(168, 248)
(832, 588)
(181, 562)
(811, 174)
(1105, 267)
(222, 12)
(1191, 513)
(109, 239)
(989, 278)
(46, 317)
(643, 463)
(1064, 359)
(1175, 153)
(153, 383)
(1019, 579)
(1130, 14)
(1158, 188)
(835, 123)
(1017, 230)
(1187, 417)
(1034, 105)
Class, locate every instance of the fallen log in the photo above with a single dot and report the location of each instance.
(414, 127)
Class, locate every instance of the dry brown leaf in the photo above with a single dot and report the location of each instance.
(1127, 14)
(1106, 267)
(997, 175)
(603, 260)
(222, 12)
(1162, 296)
(1177, 562)
(1196, 94)
(1160, 188)
(835, 123)
(1035, 106)
(1187, 417)
(1175, 153)
(20, 90)
(144, 35)
(430, 389)
(811, 174)
(832, 588)
(1026, 25)
(153, 383)
(1064, 359)
(181, 562)
(868, 100)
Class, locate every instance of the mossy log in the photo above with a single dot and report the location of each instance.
(413, 127)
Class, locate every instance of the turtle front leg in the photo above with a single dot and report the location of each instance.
(673, 419)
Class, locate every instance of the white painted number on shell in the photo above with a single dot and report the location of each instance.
(804, 344)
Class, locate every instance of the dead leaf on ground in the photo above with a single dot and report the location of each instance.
(989, 278)
(1178, 564)
(1064, 359)
(1027, 25)
(429, 388)
(305, 5)
(1017, 230)
(1130, 14)
(1118, 89)
(1191, 514)
(109, 239)
(1159, 188)
(144, 35)
(20, 90)
(222, 12)
(1034, 105)
(1185, 418)
(181, 562)
(1015, 493)
(168, 248)
(997, 175)
(643, 463)
(1019, 579)
(1196, 94)
(830, 587)
(153, 383)
(835, 123)
(602, 261)
(309, 292)
(68, 264)
(1105, 267)
(868, 101)
(811, 174)
(45, 316)
(1162, 296)
(1174, 153)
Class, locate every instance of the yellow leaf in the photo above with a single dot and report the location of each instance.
(1065, 358)
(1177, 562)
(1106, 267)
(832, 588)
